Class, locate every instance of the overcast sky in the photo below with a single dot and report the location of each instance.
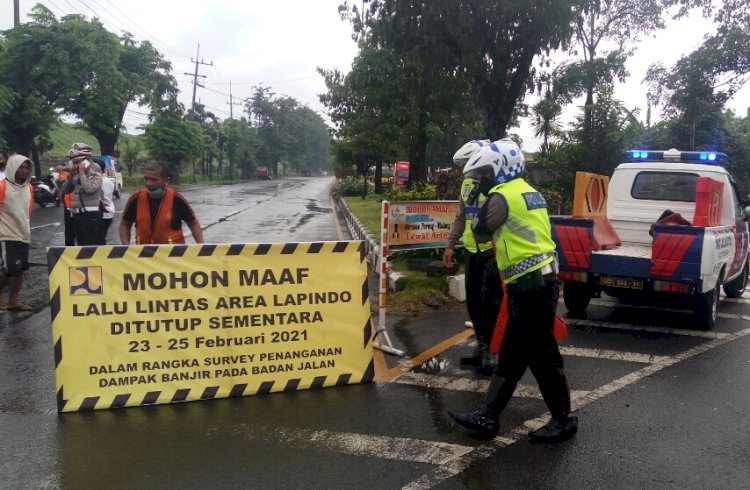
(280, 44)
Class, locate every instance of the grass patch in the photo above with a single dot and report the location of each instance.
(368, 211)
(420, 292)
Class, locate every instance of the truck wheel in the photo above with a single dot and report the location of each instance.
(116, 194)
(706, 308)
(576, 296)
(736, 287)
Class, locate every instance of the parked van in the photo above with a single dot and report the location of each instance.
(112, 171)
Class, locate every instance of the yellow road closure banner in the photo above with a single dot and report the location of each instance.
(141, 325)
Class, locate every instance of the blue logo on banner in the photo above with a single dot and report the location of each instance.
(85, 280)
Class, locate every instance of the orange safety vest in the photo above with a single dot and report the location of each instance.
(161, 231)
(4, 184)
(67, 198)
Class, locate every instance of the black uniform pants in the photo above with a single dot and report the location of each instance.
(529, 342)
(483, 293)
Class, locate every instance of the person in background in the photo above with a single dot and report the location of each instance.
(3, 163)
(481, 277)
(515, 215)
(15, 229)
(158, 212)
(63, 172)
(86, 186)
(107, 203)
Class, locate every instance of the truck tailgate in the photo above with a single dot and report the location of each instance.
(627, 260)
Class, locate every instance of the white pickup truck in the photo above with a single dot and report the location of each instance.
(673, 226)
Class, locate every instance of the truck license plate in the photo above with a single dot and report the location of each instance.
(621, 282)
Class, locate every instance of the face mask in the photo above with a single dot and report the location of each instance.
(485, 185)
(156, 193)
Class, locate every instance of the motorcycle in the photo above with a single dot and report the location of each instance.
(45, 191)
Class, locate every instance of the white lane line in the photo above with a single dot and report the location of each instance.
(644, 328)
(44, 226)
(744, 301)
(614, 304)
(611, 355)
(371, 446)
(456, 466)
(467, 384)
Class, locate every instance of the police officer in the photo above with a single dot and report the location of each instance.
(85, 184)
(481, 277)
(515, 214)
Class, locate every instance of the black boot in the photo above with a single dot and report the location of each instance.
(556, 430)
(475, 359)
(484, 422)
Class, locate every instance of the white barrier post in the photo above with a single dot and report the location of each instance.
(383, 287)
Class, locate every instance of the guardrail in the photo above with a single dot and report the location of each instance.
(358, 231)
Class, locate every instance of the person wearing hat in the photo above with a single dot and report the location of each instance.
(85, 184)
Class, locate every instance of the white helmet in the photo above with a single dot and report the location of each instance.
(503, 156)
(79, 150)
(465, 152)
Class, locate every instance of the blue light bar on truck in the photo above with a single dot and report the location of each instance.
(707, 157)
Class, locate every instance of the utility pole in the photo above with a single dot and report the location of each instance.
(16, 13)
(195, 75)
(231, 102)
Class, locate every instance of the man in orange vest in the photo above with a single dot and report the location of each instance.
(158, 212)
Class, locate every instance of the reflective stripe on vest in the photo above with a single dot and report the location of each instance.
(161, 231)
(471, 211)
(524, 243)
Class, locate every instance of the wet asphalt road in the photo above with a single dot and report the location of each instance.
(661, 405)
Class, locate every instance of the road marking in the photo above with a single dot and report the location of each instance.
(44, 226)
(473, 385)
(615, 304)
(460, 464)
(645, 328)
(612, 355)
(371, 446)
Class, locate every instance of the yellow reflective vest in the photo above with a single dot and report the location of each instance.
(471, 211)
(524, 242)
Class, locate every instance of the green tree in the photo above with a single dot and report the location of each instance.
(696, 89)
(241, 146)
(174, 139)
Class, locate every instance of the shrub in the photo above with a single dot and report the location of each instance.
(419, 192)
(349, 186)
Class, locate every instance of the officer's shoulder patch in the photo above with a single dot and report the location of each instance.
(534, 200)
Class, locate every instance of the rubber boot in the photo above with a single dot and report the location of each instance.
(562, 426)
(556, 430)
(485, 421)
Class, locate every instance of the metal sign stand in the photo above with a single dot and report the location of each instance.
(383, 288)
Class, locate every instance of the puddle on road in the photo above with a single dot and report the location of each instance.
(312, 205)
